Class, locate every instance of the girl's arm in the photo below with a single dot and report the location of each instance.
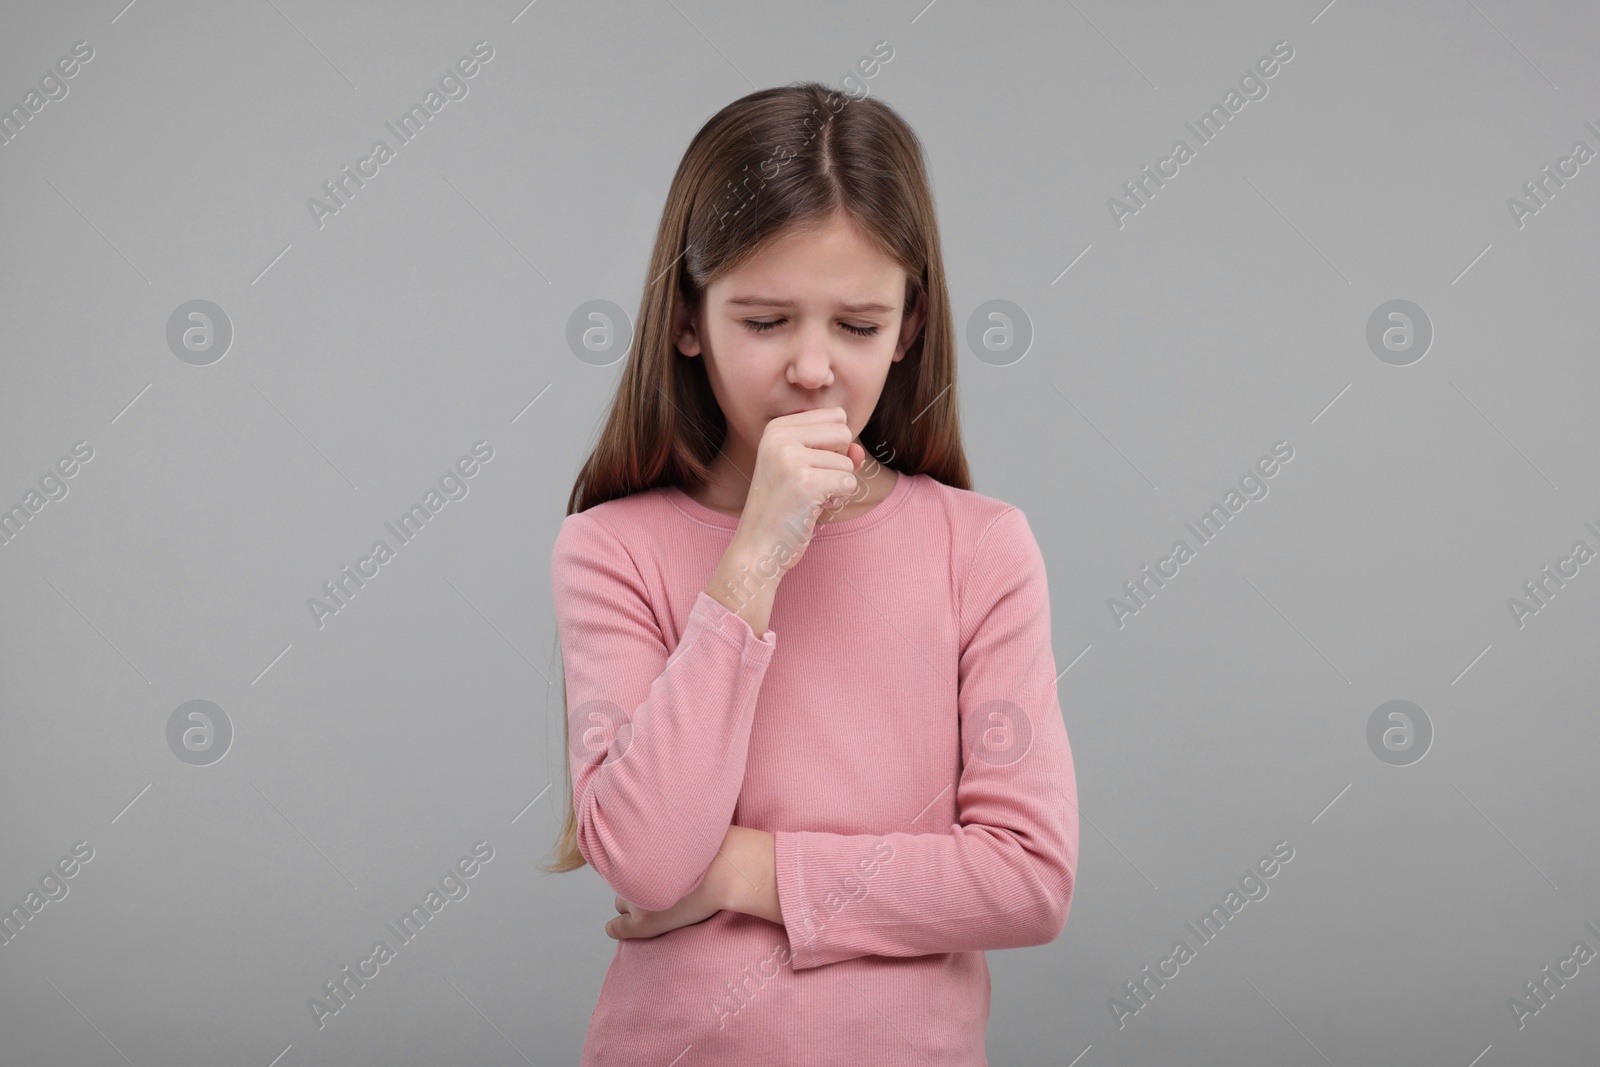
(746, 873)
(742, 878)
(1003, 876)
(658, 737)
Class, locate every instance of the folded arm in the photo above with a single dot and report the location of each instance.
(1001, 877)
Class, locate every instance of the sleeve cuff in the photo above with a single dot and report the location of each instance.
(728, 624)
(790, 876)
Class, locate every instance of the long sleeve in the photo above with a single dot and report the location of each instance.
(1003, 876)
(657, 739)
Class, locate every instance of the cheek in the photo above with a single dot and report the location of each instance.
(750, 368)
(745, 378)
(736, 372)
(735, 351)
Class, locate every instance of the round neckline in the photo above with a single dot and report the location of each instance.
(876, 514)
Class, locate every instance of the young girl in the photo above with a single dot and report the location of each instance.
(814, 738)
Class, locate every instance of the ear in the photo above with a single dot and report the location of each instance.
(910, 326)
(685, 330)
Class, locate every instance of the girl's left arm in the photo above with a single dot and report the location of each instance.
(1003, 876)
(747, 873)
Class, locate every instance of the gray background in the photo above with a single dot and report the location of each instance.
(368, 355)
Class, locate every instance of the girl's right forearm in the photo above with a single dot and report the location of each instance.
(746, 580)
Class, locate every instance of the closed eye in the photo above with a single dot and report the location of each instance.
(759, 326)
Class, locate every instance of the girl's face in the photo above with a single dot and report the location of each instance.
(813, 321)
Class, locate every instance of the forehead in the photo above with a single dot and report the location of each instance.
(832, 264)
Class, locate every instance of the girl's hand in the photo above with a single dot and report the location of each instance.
(634, 921)
(805, 463)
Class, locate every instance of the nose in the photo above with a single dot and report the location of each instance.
(811, 366)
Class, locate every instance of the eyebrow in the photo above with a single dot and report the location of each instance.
(766, 301)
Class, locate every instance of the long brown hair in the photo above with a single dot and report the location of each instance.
(769, 163)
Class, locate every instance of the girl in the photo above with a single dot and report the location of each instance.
(813, 731)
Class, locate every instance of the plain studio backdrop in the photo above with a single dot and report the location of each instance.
(1373, 272)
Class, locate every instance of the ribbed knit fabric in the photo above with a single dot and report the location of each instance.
(897, 728)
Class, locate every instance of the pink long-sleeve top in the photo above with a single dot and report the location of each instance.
(897, 728)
